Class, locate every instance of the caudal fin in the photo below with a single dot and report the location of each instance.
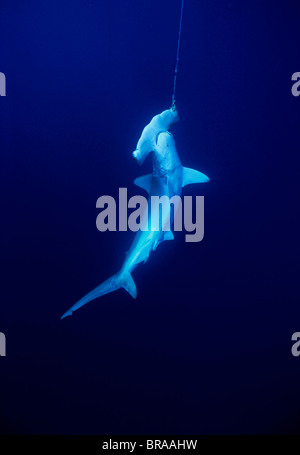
(120, 280)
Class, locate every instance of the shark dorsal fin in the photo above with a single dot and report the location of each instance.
(192, 176)
(144, 182)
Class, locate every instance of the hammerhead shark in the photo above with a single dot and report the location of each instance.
(167, 179)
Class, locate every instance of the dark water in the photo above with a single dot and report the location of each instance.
(206, 347)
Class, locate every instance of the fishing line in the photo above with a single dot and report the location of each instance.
(177, 58)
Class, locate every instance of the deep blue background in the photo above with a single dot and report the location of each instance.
(206, 347)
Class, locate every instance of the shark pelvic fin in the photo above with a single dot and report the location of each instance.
(129, 285)
(144, 182)
(168, 235)
(192, 176)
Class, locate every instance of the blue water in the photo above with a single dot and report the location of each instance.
(206, 347)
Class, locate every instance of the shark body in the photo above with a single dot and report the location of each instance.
(167, 179)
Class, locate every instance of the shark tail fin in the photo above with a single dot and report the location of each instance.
(120, 280)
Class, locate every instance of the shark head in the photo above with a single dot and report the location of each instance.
(148, 140)
(168, 118)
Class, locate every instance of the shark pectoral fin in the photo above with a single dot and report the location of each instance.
(192, 176)
(168, 235)
(144, 182)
